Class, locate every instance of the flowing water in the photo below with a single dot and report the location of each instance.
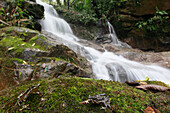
(106, 65)
(113, 34)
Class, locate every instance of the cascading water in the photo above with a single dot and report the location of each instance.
(105, 65)
(113, 34)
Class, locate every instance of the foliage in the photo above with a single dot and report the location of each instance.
(80, 17)
(66, 95)
(154, 23)
(14, 13)
(89, 11)
(101, 8)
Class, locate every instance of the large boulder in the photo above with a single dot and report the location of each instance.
(31, 55)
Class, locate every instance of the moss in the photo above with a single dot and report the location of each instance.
(65, 95)
(40, 41)
(16, 39)
(18, 60)
(33, 39)
(6, 73)
(21, 32)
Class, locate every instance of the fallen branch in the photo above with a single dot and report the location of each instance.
(23, 96)
(4, 22)
(98, 99)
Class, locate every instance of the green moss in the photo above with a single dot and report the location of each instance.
(40, 41)
(6, 73)
(20, 32)
(14, 44)
(18, 60)
(17, 45)
(65, 95)
(33, 39)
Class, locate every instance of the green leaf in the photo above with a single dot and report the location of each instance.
(140, 26)
(20, 73)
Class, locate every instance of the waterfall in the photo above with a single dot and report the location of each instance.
(113, 34)
(106, 65)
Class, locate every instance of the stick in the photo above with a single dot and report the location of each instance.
(4, 22)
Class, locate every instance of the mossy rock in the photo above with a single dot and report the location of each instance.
(28, 47)
(15, 40)
(66, 95)
(21, 32)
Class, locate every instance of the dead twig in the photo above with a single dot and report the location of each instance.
(4, 22)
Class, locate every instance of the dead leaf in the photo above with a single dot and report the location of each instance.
(153, 87)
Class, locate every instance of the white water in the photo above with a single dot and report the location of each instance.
(113, 34)
(105, 65)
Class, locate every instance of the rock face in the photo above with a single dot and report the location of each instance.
(49, 69)
(145, 7)
(146, 40)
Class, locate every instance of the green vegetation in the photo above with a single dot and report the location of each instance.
(156, 23)
(20, 13)
(13, 14)
(66, 95)
(89, 11)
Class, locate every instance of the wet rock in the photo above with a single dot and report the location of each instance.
(159, 58)
(51, 69)
(30, 54)
(106, 38)
(119, 74)
(83, 32)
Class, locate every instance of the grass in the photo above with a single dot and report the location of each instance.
(65, 95)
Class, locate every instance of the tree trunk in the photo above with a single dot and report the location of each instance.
(65, 2)
(58, 2)
(68, 3)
